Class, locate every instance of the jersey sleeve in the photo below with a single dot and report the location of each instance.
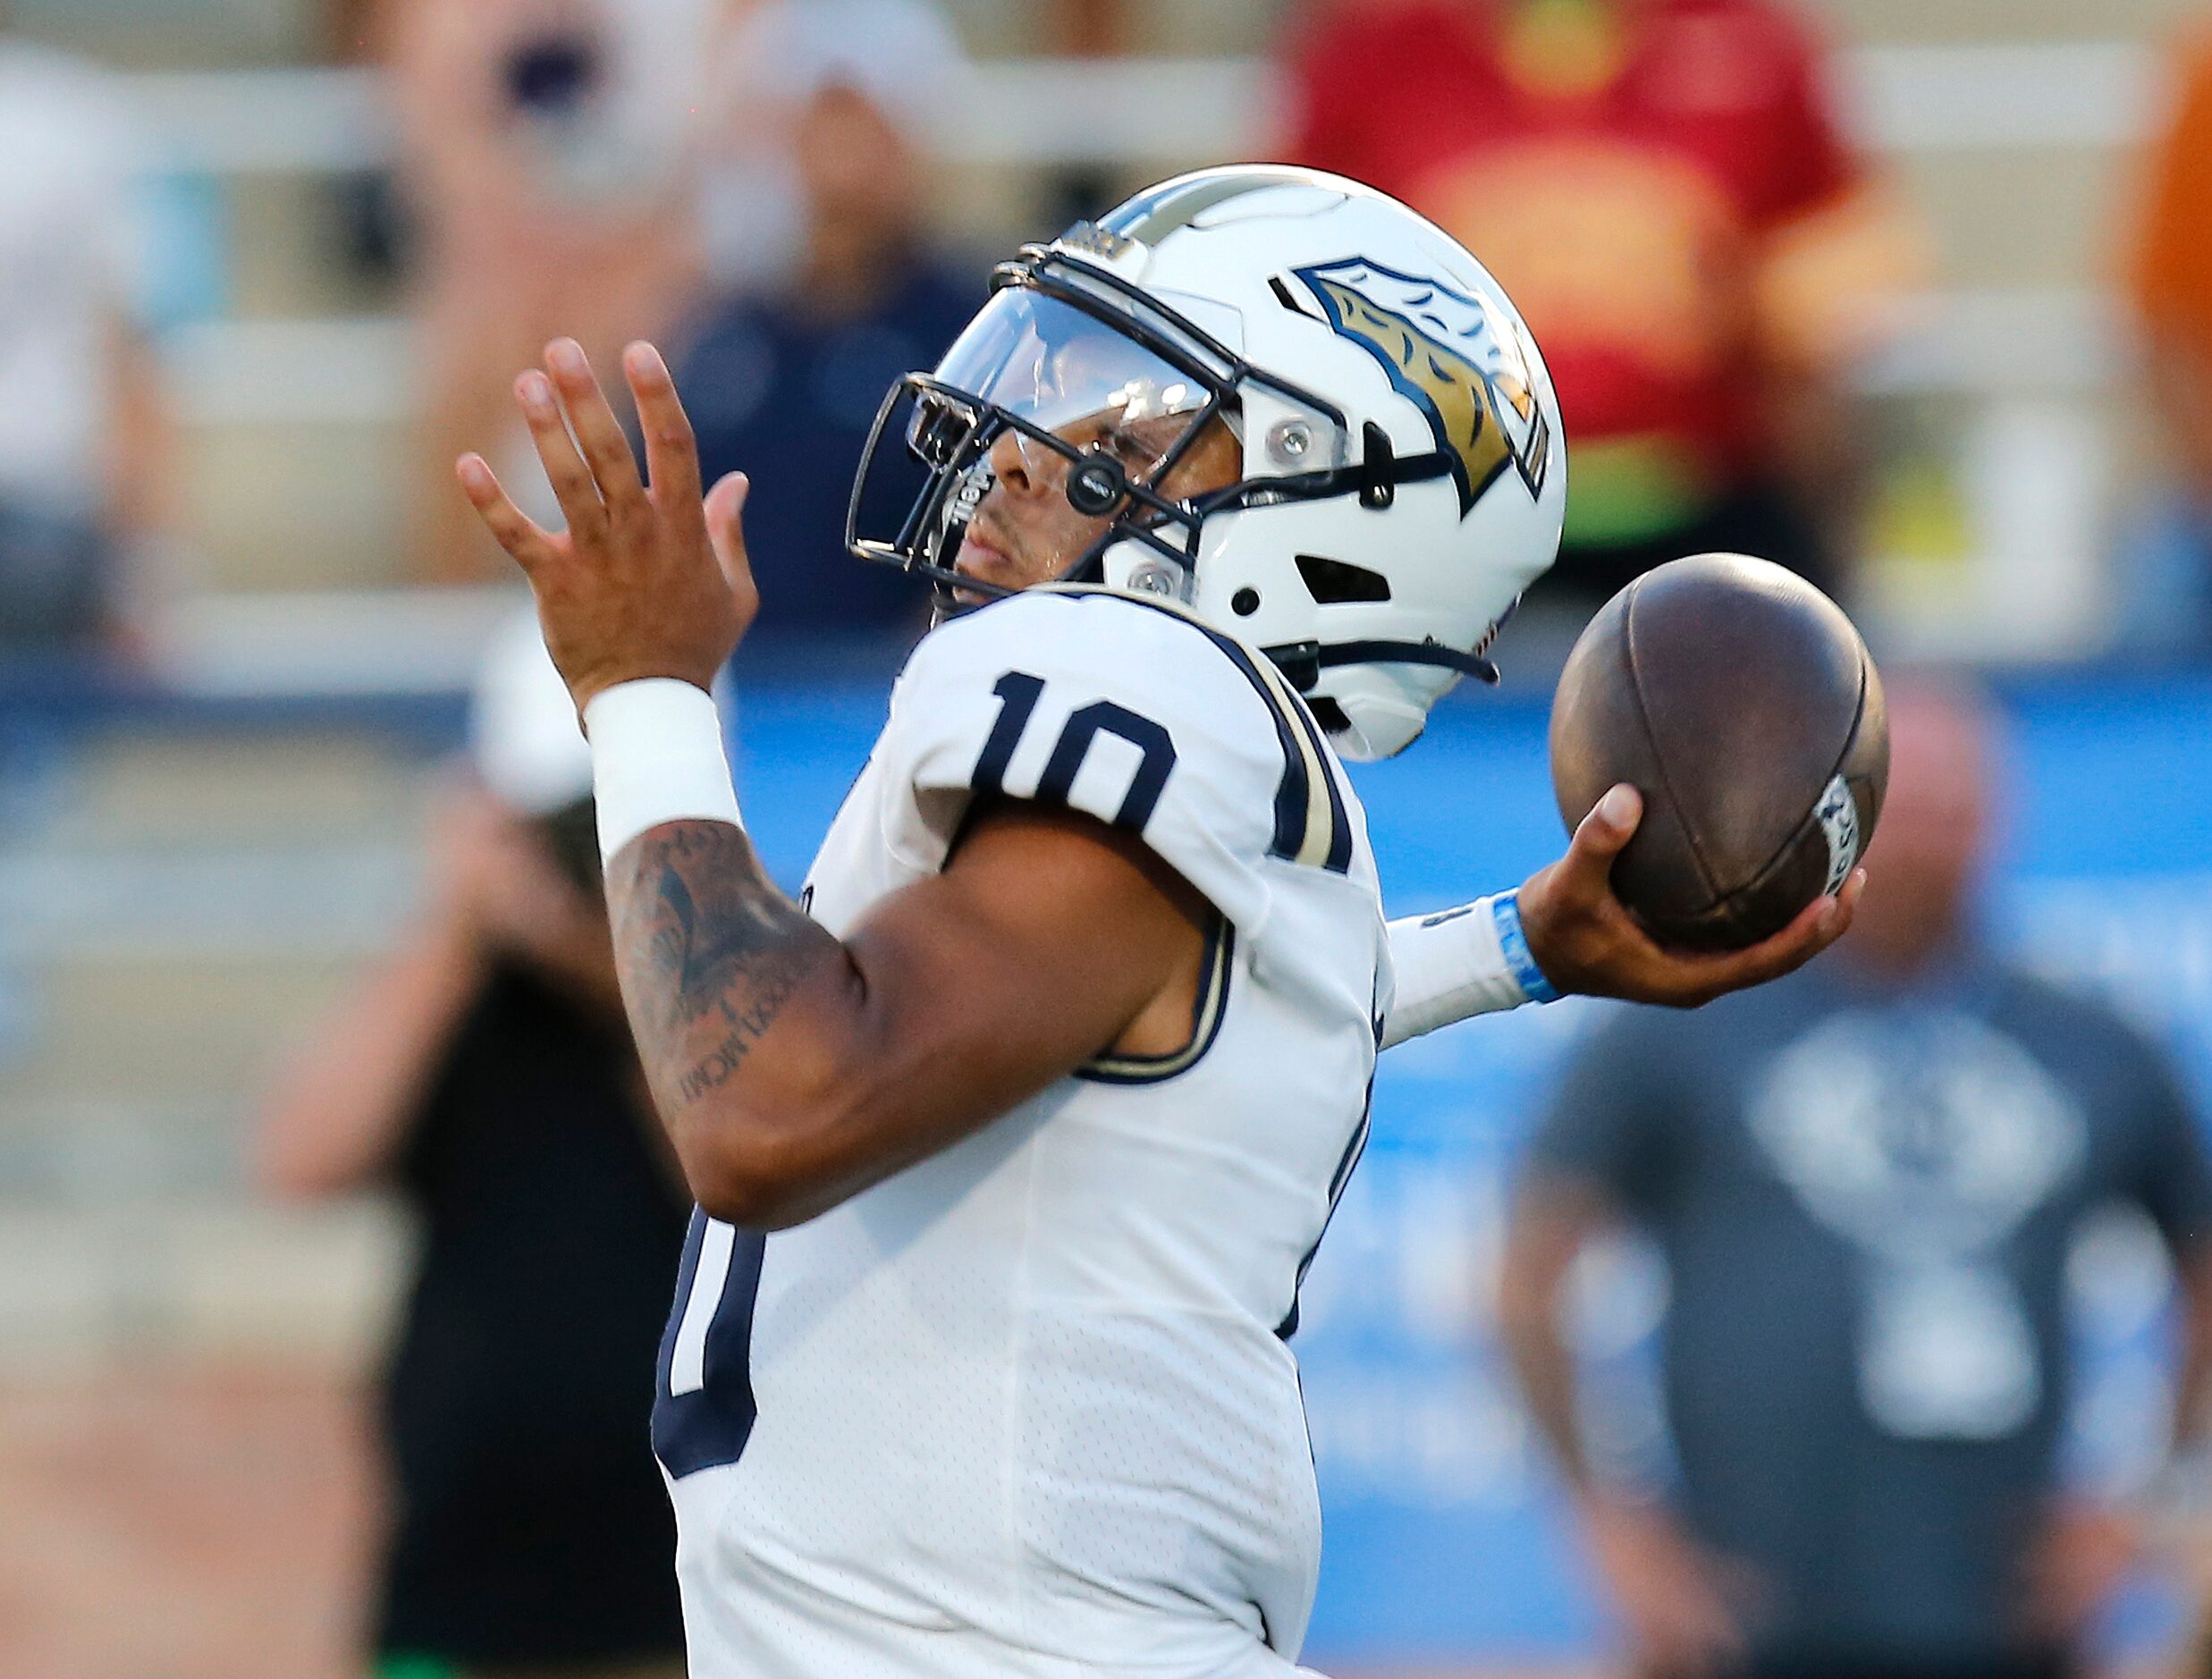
(1133, 713)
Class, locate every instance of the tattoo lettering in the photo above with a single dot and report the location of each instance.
(746, 1023)
(710, 954)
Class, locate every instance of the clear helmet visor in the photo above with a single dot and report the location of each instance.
(1066, 371)
(1117, 412)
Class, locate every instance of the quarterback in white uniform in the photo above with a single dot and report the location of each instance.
(1014, 1138)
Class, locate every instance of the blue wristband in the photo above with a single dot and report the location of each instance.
(1506, 909)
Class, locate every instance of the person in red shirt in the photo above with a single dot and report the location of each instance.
(1664, 188)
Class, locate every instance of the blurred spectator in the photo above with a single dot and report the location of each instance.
(1663, 187)
(486, 1073)
(1091, 29)
(370, 221)
(546, 158)
(353, 31)
(85, 438)
(1086, 29)
(783, 380)
(1866, 1181)
(2166, 580)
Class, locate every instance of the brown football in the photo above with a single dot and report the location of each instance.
(1741, 701)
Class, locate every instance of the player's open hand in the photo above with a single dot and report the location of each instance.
(1585, 940)
(648, 580)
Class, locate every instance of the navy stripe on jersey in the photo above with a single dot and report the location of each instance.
(707, 1425)
(1340, 820)
(1206, 1017)
(1339, 1181)
(1352, 1150)
(1295, 730)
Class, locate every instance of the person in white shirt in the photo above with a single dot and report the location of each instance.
(85, 436)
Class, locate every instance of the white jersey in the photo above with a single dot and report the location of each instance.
(1029, 1407)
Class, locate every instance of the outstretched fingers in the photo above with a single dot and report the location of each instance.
(574, 486)
(598, 433)
(630, 587)
(725, 530)
(528, 547)
(672, 450)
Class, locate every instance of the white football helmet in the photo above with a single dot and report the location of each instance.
(1404, 464)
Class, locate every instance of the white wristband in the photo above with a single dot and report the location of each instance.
(656, 756)
(1452, 965)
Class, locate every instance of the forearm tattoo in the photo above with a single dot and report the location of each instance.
(710, 954)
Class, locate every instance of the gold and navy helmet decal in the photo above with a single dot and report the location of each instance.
(1459, 359)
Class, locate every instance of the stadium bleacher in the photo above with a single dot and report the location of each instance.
(192, 865)
(169, 926)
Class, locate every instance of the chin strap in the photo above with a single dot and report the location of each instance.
(1303, 662)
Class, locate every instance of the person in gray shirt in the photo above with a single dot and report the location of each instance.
(1865, 1181)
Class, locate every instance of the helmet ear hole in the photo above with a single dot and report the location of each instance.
(1332, 582)
(1288, 299)
(1328, 713)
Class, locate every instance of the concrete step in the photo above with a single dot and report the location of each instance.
(71, 1148)
(262, 788)
(183, 909)
(180, 1030)
(2021, 221)
(215, 1276)
(1910, 23)
(128, 903)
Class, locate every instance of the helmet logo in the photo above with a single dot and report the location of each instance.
(1459, 359)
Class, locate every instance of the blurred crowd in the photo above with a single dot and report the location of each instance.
(746, 182)
(1673, 190)
(1864, 1403)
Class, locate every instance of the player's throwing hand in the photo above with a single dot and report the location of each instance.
(1586, 941)
(648, 580)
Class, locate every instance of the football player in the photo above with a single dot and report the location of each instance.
(1013, 1137)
